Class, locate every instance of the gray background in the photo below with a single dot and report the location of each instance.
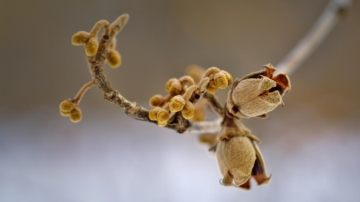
(311, 146)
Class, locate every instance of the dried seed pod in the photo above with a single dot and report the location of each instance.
(236, 158)
(75, 115)
(91, 46)
(177, 103)
(64, 114)
(238, 155)
(66, 106)
(220, 80)
(189, 111)
(156, 101)
(257, 93)
(80, 38)
(114, 59)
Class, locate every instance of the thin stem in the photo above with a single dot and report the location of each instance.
(102, 23)
(315, 36)
(82, 92)
(214, 104)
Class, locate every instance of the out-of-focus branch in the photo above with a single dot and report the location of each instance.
(315, 36)
(331, 15)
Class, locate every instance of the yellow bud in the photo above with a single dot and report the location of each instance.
(228, 77)
(163, 116)
(211, 89)
(153, 113)
(162, 124)
(173, 86)
(64, 113)
(91, 46)
(188, 112)
(114, 59)
(66, 106)
(220, 80)
(80, 38)
(176, 103)
(75, 115)
(156, 101)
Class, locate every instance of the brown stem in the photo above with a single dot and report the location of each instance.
(102, 23)
(82, 91)
(214, 104)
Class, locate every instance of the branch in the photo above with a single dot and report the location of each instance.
(315, 36)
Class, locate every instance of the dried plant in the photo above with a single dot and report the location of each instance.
(182, 109)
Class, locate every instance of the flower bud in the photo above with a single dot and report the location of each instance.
(162, 117)
(153, 113)
(91, 46)
(173, 86)
(80, 38)
(75, 115)
(228, 77)
(114, 59)
(211, 87)
(66, 106)
(177, 103)
(220, 80)
(188, 112)
(156, 101)
(64, 114)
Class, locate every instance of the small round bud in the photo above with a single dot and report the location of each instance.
(80, 38)
(162, 124)
(177, 103)
(114, 59)
(75, 115)
(173, 86)
(228, 77)
(211, 87)
(64, 114)
(188, 112)
(163, 116)
(153, 113)
(156, 101)
(220, 80)
(91, 46)
(66, 106)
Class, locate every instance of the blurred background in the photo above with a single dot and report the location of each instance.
(311, 146)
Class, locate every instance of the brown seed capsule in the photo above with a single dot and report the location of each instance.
(252, 97)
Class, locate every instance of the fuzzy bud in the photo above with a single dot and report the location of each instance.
(66, 106)
(64, 114)
(228, 77)
(114, 59)
(156, 101)
(177, 103)
(220, 80)
(80, 38)
(189, 111)
(153, 113)
(163, 117)
(75, 115)
(91, 46)
(211, 87)
(173, 86)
